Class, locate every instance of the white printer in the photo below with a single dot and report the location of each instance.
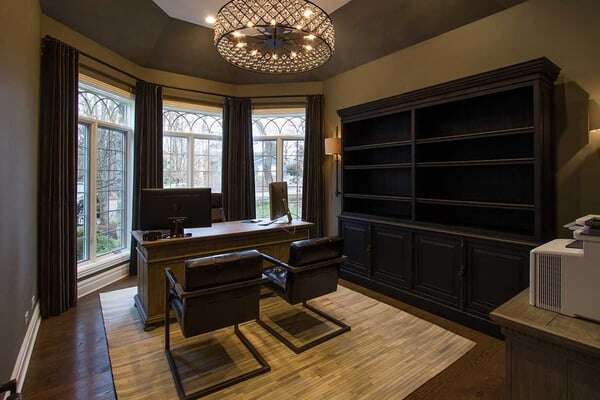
(565, 273)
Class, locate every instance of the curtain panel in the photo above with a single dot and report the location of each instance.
(148, 147)
(57, 237)
(238, 160)
(312, 196)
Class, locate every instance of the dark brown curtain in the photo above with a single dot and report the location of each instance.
(312, 196)
(57, 240)
(238, 160)
(147, 158)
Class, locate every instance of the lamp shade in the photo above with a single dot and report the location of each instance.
(333, 146)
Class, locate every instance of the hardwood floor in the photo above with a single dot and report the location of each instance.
(70, 358)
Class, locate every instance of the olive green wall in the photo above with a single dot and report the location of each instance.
(564, 31)
(19, 99)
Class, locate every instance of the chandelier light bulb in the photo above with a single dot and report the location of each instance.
(241, 45)
(250, 24)
(308, 13)
(210, 19)
(273, 22)
(275, 56)
(308, 47)
(238, 34)
(310, 37)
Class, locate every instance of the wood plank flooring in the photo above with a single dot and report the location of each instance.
(70, 359)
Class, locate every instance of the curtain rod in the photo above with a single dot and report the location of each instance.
(121, 71)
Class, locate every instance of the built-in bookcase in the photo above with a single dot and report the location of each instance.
(467, 159)
(447, 189)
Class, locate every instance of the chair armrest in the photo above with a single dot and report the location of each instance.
(172, 280)
(321, 264)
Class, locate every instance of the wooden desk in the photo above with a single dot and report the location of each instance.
(548, 355)
(223, 237)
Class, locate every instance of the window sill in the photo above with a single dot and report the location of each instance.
(88, 268)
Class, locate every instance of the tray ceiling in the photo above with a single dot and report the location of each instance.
(146, 34)
(195, 11)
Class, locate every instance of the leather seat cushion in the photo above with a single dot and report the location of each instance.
(312, 251)
(222, 269)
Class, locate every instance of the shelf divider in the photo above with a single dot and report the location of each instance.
(480, 204)
(469, 163)
(378, 166)
(396, 143)
(477, 135)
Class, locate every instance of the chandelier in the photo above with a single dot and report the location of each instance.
(274, 36)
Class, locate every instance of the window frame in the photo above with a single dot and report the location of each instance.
(279, 139)
(95, 263)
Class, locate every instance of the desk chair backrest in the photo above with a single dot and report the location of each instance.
(217, 302)
(305, 282)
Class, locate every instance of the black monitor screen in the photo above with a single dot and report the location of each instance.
(157, 206)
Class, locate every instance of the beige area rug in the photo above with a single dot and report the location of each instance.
(387, 355)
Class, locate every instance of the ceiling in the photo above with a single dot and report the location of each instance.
(196, 11)
(145, 33)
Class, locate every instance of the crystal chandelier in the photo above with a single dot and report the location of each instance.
(274, 36)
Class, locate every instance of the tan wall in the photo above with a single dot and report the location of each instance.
(564, 31)
(60, 31)
(19, 99)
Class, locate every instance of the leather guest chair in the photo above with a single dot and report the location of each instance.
(312, 271)
(216, 292)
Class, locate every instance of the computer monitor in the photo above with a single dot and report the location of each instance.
(158, 206)
(278, 196)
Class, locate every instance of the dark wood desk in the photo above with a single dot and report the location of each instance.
(548, 355)
(223, 237)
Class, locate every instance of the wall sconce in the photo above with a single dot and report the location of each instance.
(333, 147)
(594, 117)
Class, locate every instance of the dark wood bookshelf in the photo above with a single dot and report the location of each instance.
(448, 188)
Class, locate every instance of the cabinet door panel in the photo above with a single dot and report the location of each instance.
(392, 256)
(495, 274)
(438, 265)
(356, 243)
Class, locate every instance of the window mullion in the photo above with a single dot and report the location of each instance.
(92, 145)
(279, 159)
(190, 145)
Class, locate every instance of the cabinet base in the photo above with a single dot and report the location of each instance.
(443, 310)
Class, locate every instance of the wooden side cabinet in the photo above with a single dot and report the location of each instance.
(439, 267)
(548, 356)
(357, 244)
(495, 274)
(391, 256)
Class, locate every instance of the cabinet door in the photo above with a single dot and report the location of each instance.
(495, 274)
(439, 267)
(356, 246)
(391, 260)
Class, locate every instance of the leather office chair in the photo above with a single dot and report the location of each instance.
(312, 272)
(11, 388)
(217, 212)
(217, 292)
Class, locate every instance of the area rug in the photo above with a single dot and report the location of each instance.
(388, 353)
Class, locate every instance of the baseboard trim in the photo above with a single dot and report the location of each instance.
(96, 282)
(22, 363)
